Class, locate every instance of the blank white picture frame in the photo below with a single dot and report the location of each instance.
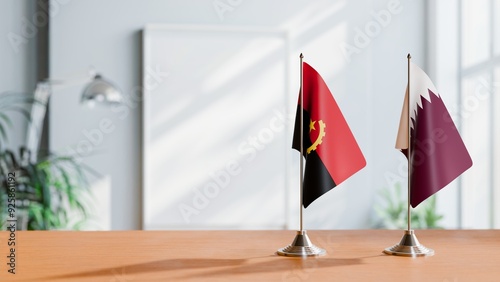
(216, 127)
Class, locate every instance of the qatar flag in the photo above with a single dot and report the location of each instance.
(437, 153)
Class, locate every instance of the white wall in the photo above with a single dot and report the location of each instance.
(17, 57)
(368, 86)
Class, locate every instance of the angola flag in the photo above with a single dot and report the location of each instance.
(438, 154)
(332, 154)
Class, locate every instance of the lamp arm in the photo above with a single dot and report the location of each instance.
(42, 94)
(38, 110)
(77, 79)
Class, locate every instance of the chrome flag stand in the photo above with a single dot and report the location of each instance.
(301, 245)
(409, 245)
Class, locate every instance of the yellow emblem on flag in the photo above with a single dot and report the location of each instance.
(321, 134)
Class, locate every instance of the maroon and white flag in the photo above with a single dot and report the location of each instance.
(438, 154)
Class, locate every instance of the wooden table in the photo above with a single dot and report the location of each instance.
(462, 255)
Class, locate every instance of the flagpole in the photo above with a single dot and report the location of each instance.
(301, 206)
(301, 245)
(409, 246)
(409, 142)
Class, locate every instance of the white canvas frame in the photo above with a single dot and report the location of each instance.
(220, 217)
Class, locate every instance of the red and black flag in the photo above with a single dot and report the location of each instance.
(332, 154)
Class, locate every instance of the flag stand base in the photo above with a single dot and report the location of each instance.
(409, 247)
(301, 247)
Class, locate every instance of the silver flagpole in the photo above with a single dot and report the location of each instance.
(301, 203)
(409, 245)
(409, 147)
(301, 245)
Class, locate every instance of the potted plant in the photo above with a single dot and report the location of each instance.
(50, 193)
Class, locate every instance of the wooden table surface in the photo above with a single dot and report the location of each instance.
(354, 255)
